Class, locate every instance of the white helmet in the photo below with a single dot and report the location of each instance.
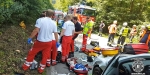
(143, 27)
(115, 21)
(125, 24)
(134, 25)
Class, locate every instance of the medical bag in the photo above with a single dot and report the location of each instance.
(135, 48)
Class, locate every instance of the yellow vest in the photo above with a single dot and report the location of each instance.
(125, 31)
(87, 26)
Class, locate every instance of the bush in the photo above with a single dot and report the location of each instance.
(12, 12)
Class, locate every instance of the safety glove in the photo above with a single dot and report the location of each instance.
(57, 44)
(29, 41)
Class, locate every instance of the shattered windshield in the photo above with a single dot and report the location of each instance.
(86, 12)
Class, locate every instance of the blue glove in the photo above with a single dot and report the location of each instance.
(57, 44)
(29, 40)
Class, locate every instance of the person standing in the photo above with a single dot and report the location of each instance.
(122, 35)
(101, 26)
(142, 30)
(67, 32)
(145, 37)
(112, 31)
(44, 27)
(78, 30)
(52, 58)
(133, 33)
(87, 29)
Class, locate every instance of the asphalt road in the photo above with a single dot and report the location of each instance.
(62, 69)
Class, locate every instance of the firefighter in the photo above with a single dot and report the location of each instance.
(133, 33)
(67, 32)
(112, 31)
(145, 37)
(45, 27)
(78, 30)
(87, 29)
(122, 35)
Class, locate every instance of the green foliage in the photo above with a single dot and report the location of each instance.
(15, 11)
(131, 11)
(64, 4)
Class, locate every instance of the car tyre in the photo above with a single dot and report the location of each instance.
(97, 71)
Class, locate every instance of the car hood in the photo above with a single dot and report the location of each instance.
(102, 61)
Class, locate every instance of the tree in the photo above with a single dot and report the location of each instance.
(15, 11)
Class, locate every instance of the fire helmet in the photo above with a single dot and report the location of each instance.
(125, 24)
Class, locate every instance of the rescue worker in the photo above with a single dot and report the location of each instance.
(142, 30)
(78, 30)
(133, 33)
(101, 26)
(122, 35)
(112, 31)
(44, 27)
(87, 29)
(52, 58)
(67, 32)
(145, 37)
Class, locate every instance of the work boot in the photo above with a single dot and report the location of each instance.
(72, 54)
(63, 59)
(110, 45)
(48, 63)
(118, 45)
(54, 62)
(40, 69)
(25, 67)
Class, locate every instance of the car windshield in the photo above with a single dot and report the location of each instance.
(130, 66)
(135, 66)
(86, 12)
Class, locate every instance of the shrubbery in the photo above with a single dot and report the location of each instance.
(12, 12)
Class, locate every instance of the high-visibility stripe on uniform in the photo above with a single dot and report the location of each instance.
(112, 28)
(125, 32)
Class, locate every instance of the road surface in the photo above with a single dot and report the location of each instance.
(62, 69)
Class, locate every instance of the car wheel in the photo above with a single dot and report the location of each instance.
(96, 71)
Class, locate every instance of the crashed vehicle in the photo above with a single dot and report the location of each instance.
(122, 64)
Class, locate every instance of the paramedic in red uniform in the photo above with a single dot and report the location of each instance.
(67, 32)
(87, 29)
(78, 30)
(44, 27)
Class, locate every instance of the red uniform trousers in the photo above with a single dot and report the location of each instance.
(38, 46)
(72, 46)
(84, 42)
(53, 53)
(66, 41)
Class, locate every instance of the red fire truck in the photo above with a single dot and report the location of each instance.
(82, 12)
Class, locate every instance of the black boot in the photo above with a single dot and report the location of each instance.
(71, 54)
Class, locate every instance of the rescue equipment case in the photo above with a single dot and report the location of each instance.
(135, 48)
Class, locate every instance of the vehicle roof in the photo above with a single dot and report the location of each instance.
(82, 6)
(58, 12)
(127, 56)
